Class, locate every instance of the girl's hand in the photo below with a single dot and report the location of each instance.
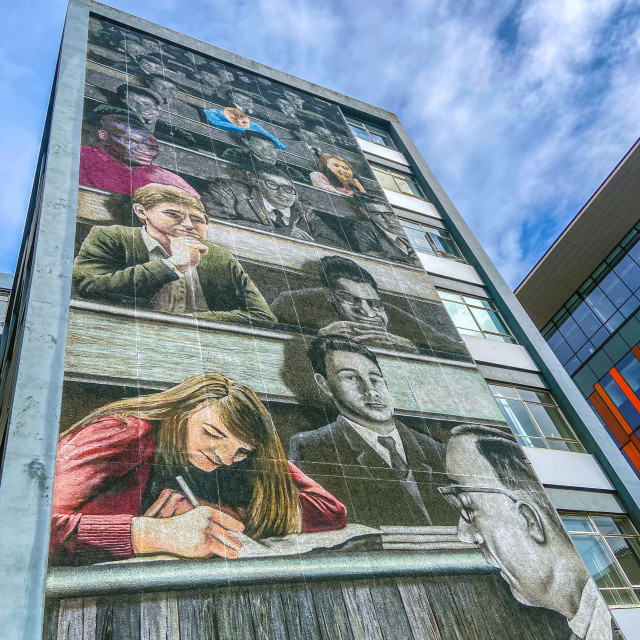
(202, 532)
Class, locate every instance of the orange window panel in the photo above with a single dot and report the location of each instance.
(636, 352)
(626, 389)
(633, 454)
(609, 419)
(612, 407)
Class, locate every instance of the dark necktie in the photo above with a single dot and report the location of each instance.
(397, 462)
(279, 221)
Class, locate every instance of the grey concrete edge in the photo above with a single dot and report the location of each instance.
(32, 432)
(169, 575)
(582, 418)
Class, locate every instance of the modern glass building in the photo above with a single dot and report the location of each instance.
(582, 295)
(260, 380)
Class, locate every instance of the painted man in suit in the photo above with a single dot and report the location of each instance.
(380, 469)
(348, 305)
(167, 265)
(270, 200)
(504, 509)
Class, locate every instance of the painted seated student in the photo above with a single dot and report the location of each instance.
(141, 103)
(255, 148)
(167, 264)
(379, 234)
(270, 200)
(234, 120)
(385, 472)
(336, 176)
(116, 494)
(123, 160)
(348, 305)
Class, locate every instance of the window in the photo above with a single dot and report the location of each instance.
(609, 296)
(535, 419)
(396, 181)
(610, 547)
(431, 240)
(370, 132)
(475, 316)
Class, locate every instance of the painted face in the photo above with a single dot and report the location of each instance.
(383, 218)
(168, 220)
(129, 146)
(286, 107)
(277, 190)
(358, 389)
(495, 523)
(263, 149)
(144, 107)
(359, 302)
(340, 169)
(210, 444)
(211, 79)
(237, 117)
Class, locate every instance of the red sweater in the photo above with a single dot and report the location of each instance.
(102, 470)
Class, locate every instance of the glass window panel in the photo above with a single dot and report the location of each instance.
(471, 332)
(573, 334)
(634, 252)
(565, 445)
(618, 597)
(600, 304)
(478, 302)
(499, 390)
(378, 139)
(518, 417)
(444, 244)
(385, 180)
(550, 421)
(614, 321)
(615, 289)
(614, 525)
(526, 441)
(560, 347)
(629, 369)
(630, 306)
(460, 315)
(576, 523)
(500, 338)
(535, 395)
(626, 552)
(448, 295)
(586, 351)
(599, 561)
(358, 132)
(629, 273)
(408, 224)
(586, 319)
(489, 321)
(573, 365)
(628, 411)
(418, 240)
(599, 336)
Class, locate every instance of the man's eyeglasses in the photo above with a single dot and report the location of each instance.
(274, 186)
(354, 301)
(452, 495)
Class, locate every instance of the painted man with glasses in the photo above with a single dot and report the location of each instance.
(503, 508)
(267, 199)
(348, 305)
(382, 471)
(167, 265)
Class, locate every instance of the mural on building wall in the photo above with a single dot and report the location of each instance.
(256, 363)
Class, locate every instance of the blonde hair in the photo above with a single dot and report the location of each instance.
(331, 176)
(274, 507)
(153, 194)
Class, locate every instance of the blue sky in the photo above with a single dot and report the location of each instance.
(521, 107)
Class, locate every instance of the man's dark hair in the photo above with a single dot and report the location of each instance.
(150, 77)
(262, 167)
(320, 347)
(334, 267)
(125, 90)
(122, 118)
(509, 462)
(250, 133)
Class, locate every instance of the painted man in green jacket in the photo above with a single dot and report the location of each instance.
(167, 265)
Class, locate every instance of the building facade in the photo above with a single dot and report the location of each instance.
(259, 379)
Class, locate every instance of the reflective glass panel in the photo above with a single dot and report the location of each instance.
(629, 273)
(489, 321)
(499, 390)
(550, 421)
(358, 132)
(600, 304)
(626, 552)
(461, 315)
(385, 180)
(444, 244)
(573, 334)
(565, 445)
(615, 289)
(518, 417)
(560, 347)
(577, 523)
(599, 561)
(418, 240)
(629, 369)
(586, 319)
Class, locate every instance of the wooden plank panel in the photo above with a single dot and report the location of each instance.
(118, 618)
(390, 612)
(268, 615)
(197, 616)
(159, 617)
(233, 614)
(331, 611)
(419, 612)
(300, 616)
(362, 613)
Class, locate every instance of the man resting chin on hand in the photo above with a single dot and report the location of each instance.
(167, 265)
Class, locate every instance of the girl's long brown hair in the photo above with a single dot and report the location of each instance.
(274, 508)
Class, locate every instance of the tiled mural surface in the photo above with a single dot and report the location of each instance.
(258, 367)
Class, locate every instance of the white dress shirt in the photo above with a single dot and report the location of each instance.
(180, 296)
(593, 619)
(286, 213)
